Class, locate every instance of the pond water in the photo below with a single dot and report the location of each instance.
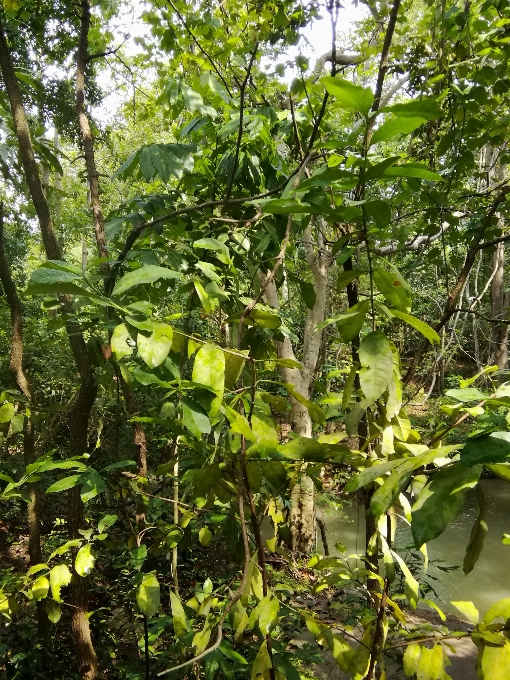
(490, 579)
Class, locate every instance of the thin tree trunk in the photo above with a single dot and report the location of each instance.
(499, 330)
(20, 377)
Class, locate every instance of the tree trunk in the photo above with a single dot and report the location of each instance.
(302, 513)
(79, 411)
(499, 300)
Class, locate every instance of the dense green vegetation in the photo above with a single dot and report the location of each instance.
(219, 310)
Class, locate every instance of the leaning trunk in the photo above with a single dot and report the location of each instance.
(499, 304)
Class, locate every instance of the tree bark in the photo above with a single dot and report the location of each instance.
(302, 513)
(81, 406)
(499, 301)
(21, 379)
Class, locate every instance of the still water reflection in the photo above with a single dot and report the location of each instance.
(490, 579)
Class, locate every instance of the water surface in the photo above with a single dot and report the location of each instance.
(490, 579)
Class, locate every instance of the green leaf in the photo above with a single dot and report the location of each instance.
(346, 277)
(307, 293)
(66, 483)
(40, 588)
(396, 126)
(315, 412)
(336, 319)
(387, 494)
(491, 448)
(165, 160)
(261, 664)
(205, 536)
(416, 170)
(275, 473)
(53, 610)
(62, 549)
(85, 560)
(440, 501)
(60, 576)
(307, 449)
(411, 658)
(420, 326)
(106, 522)
(370, 474)
(349, 96)
(194, 419)
(178, 615)
(411, 585)
(154, 349)
(426, 108)
(466, 394)
(209, 370)
(147, 274)
(121, 343)
(48, 281)
(137, 556)
(376, 359)
(394, 288)
(478, 534)
(268, 614)
(377, 170)
(234, 364)
(494, 661)
(93, 484)
(148, 595)
(350, 327)
(6, 412)
(468, 610)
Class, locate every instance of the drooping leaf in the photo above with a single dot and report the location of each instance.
(440, 501)
(314, 411)
(387, 494)
(268, 614)
(261, 664)
(178, 615)
(466, 394)
(53, 610)
(205, 536)
(148, 595)
(348, 95)
(106, 522)
(351, 325)
(376, 358)
(147, 274)
(60, 576)
(93, 484)
(478, 534)
(420, 326)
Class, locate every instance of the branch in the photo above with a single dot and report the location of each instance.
(341, 59)
(384, 63)
(414, 244)
(241, 116)
(461, 280)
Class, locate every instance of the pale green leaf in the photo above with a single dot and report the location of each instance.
(148, 595)
(121, 343)
(376, 358)
(85, 560)
(348, 95)
(468, 610)
(60, 576)
(154, 349)
(178, 615)
(420, 326)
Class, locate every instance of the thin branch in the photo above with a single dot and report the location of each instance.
(241, 118)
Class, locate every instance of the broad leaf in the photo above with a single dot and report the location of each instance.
(376, 358)
(209, 370)
(93, 484)
(416, 170)
(178, 615)
(350, 327)
(466, 394)
(478, 534)
(394, 127)
(468, 610)
(66, 483)
(85, 560)
(148, 595)
(40, 588)
(394, 288)
(490, 448)
(349, 96)
(440, 501)
(205, 536)
(155, 348)
(426, 108)
(315, 412)
(420, 326)
(345, 278)
(122, 344)
(60, 576)
(6, 412)
(194, 419)
(147, 274)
